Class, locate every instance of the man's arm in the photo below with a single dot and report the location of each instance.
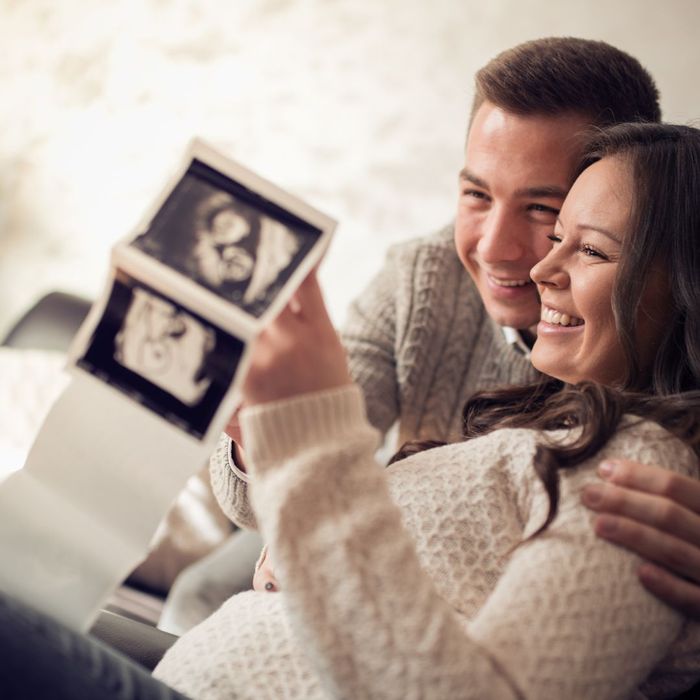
(369, 337)
(655, 513)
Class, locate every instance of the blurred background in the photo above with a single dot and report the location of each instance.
(357, 106)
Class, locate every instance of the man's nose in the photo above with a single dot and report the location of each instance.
(500, 239)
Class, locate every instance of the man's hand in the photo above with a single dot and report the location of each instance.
(655, 513)
(298, 353)
(233, 429)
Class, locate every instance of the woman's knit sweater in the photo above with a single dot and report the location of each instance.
(407, 582)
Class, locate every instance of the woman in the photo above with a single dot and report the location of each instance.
(462, 571)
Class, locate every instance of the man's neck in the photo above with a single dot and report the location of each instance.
(522, 340)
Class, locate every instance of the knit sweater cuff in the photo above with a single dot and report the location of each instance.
(231, 460)
(274, 432)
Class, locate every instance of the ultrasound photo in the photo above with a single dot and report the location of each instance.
(162, 355)
(227, 238)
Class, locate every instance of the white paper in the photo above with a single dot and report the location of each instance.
(154, 373)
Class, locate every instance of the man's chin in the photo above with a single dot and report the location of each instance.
(521, 318)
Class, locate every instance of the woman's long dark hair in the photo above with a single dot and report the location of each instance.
(664, 230)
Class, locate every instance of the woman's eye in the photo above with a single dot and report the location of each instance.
(592, 252)
(554, 238)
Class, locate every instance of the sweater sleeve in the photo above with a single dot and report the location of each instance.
(369, 340)
(369, 336)
(228, 486)
(400, 308)
(371, 617)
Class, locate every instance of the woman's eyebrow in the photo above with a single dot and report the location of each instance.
(599, 229)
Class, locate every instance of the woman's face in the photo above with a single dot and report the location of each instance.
(577, 338)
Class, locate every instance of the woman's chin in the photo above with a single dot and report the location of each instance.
(552, 365)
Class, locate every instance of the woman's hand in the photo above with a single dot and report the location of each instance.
(298, 353)
(655, 513)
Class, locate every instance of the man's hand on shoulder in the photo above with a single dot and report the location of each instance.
(655, 513)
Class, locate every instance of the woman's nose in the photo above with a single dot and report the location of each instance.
(549, 272)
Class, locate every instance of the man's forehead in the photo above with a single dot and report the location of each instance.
(546, 147)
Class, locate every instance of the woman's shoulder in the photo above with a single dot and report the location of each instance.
(640, 440)
(646, 441)
(635, 439)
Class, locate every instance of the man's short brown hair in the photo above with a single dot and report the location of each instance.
(564, 75)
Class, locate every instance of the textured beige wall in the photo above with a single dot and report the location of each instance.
(357, 105)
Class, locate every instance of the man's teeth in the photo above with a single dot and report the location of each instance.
(510, 283)
(559, 319)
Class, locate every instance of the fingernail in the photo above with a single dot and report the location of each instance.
(606, 526)
(592, 495)
(647, 572)
(606, 469)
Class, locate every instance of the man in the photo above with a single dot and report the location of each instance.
(455, 312)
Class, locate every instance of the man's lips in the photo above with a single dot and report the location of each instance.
(509, 282)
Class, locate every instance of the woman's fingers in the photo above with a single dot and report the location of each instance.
(308, 299)
(298, 352)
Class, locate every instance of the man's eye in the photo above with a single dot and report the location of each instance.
(475, 194)
(543, 210)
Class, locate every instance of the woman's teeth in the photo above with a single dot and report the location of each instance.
(557, 318)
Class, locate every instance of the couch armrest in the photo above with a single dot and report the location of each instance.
(140, 642)
(50, 324)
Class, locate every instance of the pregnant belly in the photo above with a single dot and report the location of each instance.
(246, 649)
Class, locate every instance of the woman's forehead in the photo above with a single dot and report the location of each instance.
(601, 198)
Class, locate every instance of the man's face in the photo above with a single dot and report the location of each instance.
(517, 171)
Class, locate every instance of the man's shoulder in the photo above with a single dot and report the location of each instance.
(430, 260)
(439, 242)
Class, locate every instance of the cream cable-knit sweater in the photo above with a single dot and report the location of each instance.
(419, 343)
(406, 582)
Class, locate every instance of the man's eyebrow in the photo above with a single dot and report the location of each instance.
(466, 174)
(544, 191)
(599, 229)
